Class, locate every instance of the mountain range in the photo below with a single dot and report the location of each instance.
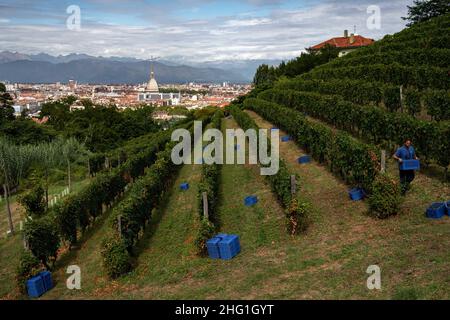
(45, 68)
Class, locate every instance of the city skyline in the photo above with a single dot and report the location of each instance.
(192, 30)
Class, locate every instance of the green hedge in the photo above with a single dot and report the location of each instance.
(421, 77)
(209, 183)
(437, 102)
(370, 123)
(355, 162)
(352, 160)
(408, 57)
(135, 211)
(79, 210)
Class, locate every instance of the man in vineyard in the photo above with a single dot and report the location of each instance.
(406, 152)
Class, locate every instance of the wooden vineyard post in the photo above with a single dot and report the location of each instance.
(293, 185)
(205, 205)
(383, 161)
(25, 242)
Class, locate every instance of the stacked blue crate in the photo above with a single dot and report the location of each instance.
(223, 246)
(47, 279)
(436, 211)
(447, 205)
(229, 247)
(212, 245)
(286, 138)
(35, 287)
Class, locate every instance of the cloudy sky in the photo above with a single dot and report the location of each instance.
(194, 30)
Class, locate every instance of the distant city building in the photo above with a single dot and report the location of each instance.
(345, 44)
(152, 94)
(72, 84)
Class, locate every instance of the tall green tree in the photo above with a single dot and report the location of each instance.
(423, 10)
(48, 156)
(71, 151)
(14, 162)
(6, 102)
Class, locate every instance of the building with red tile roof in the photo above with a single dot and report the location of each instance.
(346, 43)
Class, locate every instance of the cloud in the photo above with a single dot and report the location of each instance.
(279, 33)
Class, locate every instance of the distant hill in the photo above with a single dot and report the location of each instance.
(15, 67)
(103, 71)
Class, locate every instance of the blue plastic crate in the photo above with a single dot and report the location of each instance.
(47, 279)
(286, 138)
(229, 247)
(35, 287)
(250, 201)
(304, 159)
(184, 186)
(213, 247)
(356, 194)
(410, 165)
(447, 205)
(436, 210)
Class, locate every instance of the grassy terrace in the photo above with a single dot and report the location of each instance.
(408, 248)
(167, 266)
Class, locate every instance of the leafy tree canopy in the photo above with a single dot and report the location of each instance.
(423, 10)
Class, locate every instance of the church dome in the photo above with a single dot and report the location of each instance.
(152, 86)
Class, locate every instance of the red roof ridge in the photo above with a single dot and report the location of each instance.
(344, 42)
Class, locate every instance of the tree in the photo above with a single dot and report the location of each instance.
(34, 201)
(71, 150)
(42, 238)
(14, 162)
(48, 156)
(6, 102)
(423, 10)
(264, 75)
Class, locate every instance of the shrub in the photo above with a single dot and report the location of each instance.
(34, 201)
(29, 266)
(205, 232)
(42, 238)
(209, 184)
(67, 219)
(385, 198)
(116, 258)
(438, 104)
(391, 97)
(412, 101)
(297, 216)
